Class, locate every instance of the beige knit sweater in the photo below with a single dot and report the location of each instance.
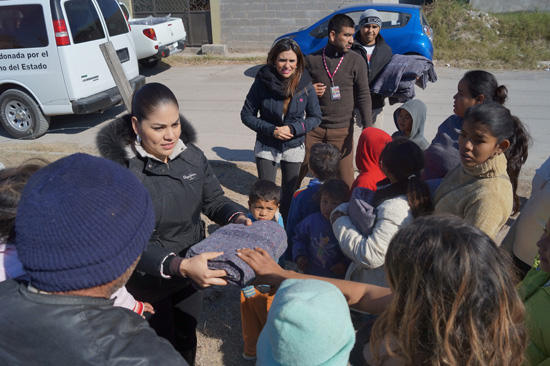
(481, 195)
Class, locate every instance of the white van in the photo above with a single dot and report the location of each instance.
(51, 63)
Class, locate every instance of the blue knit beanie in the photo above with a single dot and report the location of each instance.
(82, 221)
(308, 324)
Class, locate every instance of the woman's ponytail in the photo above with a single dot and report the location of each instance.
(418, 195)
(516, 156)
(405, 160)
(500, 95)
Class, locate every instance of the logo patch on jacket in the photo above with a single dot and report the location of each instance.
(189, 176)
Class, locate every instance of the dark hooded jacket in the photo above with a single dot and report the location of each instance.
(417, 109)
(48, 329)
(380, 57)
(180, 189)
(266, 97)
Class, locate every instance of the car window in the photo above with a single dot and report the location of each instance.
(390, 19)
(393, 19)
(22, 26)
(125, 10)
(423, 19)
(116, 23)
(84, 21)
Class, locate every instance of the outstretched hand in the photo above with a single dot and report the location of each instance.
(196, 268)
(268, 272)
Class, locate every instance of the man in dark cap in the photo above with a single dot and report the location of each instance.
(369, 43)
(81, 226)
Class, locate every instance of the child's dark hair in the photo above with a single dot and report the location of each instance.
(264, 190)
(12, 182)
(484, 83)
(336, 189)
(324, 161)
(149, 97)
(405, 160)
(339, 21)
(504, 126)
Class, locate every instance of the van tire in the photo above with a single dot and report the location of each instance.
(149, 62)
(21, 116)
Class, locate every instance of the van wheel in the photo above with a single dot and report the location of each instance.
(21, 116)
(149, 62)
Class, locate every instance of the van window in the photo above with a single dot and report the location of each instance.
(84, 21)
(116, 23)
(22, 26)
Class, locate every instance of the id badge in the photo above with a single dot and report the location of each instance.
(334, 92)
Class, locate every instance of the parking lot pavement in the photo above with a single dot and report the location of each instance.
(211, 97)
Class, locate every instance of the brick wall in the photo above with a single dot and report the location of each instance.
(253, 25)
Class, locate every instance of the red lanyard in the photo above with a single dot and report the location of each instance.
(326, 67)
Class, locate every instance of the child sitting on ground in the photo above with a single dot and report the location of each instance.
(324, 162)
(409, 120)
(316, 250)
(263, 202)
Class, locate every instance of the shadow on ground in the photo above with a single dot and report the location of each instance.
(235, 177)
(72, 124)
(243, 155)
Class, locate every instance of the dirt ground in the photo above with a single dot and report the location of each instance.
(219, 329)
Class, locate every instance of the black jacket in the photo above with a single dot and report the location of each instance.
(42, 329)
(379, 59)
(265, 97)
(180, 189)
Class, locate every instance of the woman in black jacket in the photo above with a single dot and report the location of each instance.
(156, 143)
(288, 108)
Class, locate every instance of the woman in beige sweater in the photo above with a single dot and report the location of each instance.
(482, 189)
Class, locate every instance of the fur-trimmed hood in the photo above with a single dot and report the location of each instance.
(113, 139)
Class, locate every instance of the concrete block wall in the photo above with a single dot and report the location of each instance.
(253, 25)
(506, 6)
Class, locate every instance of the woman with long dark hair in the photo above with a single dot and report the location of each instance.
(281, 107)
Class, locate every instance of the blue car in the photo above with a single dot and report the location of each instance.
(404, 27)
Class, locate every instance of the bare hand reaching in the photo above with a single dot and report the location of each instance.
(268, 272)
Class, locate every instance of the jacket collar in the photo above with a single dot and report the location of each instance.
(47, 298)
(332, 51)
(115, 140)
(493, 167)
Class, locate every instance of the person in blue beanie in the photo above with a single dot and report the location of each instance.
(82, 224)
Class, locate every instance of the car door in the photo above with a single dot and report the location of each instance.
(91, 23)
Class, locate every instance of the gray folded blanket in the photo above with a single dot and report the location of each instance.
(361, 212)
(267, 235)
